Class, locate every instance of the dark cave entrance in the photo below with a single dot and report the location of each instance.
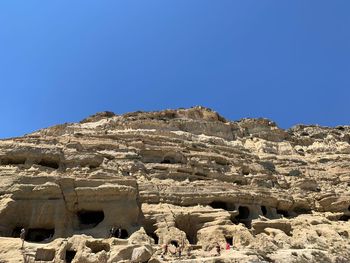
(243, 216)
(70, 254)
(285, 213)
(90, 219)
(243, 212)
(229, 240)
(223, 205)
(39, 234)
(150, 227)
(264, 210)
(344, 218)
(49, 163)
(245, 170)
(189, 225)
(166, 161)
(155, 238)
(124, 234)
(218, 205)
(174, 243)
(172, 158)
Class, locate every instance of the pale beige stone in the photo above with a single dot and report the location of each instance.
(185, 177)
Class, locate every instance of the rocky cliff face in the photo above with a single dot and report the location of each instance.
(188, 178)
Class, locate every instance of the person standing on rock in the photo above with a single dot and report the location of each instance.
(22, 235)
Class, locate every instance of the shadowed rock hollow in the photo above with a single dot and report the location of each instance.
(184, 177)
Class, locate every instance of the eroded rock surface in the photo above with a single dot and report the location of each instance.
(187, 178)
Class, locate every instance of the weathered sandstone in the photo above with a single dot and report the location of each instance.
(185, 177)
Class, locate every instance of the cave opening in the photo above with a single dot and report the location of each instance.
(150, 227)
(245, 170)
(49, 163)
(228, 206)
(344, 218)
(124, 234)
(70, 254)
(174, 243)
(172, 158)
(91, 166)
(264, 210)
(349, 208)
(90, 219)
(229, 240)
(284, 213)
(39, 234)
(243, 216)
(189, 225)
(243, 212)
(218, 205)
(155, 238)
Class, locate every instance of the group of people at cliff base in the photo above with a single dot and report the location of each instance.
(177, 250)
(218, 248)
(173, 250)
(115, 232)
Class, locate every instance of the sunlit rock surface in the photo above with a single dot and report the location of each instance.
(187, 178)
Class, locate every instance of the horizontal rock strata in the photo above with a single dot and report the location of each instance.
(188, 178)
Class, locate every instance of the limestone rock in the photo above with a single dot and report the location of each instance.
(118, 188)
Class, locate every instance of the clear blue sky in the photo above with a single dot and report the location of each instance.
(61, 61)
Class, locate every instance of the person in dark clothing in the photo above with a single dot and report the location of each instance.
(112, 232)
(118, 232)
